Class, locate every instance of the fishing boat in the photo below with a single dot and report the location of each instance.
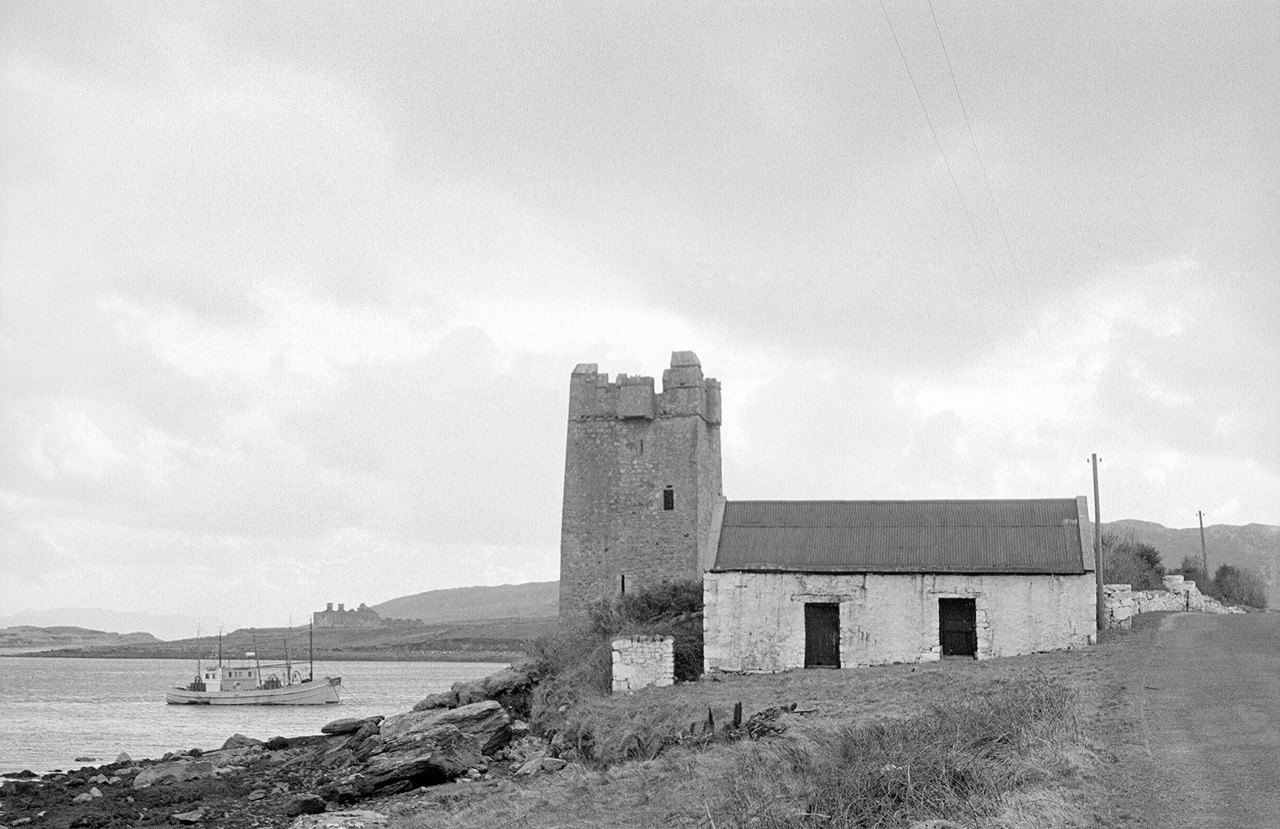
(255, 683)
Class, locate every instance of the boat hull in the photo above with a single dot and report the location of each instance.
(319, 692)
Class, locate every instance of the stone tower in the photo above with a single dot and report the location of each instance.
(641, 481)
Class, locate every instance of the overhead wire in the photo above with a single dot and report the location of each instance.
(1013, 261)
(950, 174)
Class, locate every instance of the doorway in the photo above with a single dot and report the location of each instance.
(958, 627)
(821, 635)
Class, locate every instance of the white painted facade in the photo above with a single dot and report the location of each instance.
(755, 621)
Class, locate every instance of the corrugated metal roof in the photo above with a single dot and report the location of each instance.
(1022, 536)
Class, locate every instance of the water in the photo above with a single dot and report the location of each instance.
(55, 710)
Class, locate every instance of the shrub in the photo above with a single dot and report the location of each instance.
(1241, 587)
(1129, 561)
(576, 661)
(1191, 570)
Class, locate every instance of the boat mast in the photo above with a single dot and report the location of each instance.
(311, 656)
(219, 649)
(288, 666)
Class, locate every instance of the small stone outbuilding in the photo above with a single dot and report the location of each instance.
(842, 584)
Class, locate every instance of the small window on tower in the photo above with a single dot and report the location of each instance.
(668, 499)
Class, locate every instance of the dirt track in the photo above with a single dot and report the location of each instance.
(1210, 713)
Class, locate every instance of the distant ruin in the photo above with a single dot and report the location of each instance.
(362, 618)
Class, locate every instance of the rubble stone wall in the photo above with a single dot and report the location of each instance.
(1122, 602)
(642, 661)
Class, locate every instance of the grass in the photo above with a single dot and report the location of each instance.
(1000, 744)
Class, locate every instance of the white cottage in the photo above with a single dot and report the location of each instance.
(849, 583)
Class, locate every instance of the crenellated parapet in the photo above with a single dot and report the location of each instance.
(685, 392)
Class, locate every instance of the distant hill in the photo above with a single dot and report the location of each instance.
(534, 600)
(1254, 546)
(30, 637)
(98, 619)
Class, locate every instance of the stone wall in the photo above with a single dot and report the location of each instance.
(642, 661)
(632, 452)
(755, 621)
(1122, 602)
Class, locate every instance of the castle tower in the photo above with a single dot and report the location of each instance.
(641, 481)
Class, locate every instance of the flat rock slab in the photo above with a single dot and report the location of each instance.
(352, 819)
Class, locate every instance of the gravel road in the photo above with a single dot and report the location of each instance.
(1211, 717)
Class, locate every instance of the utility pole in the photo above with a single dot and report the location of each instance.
(1097, 546)
(1204, 556)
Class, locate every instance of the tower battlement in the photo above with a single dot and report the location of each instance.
(641, 481)
(685, 391)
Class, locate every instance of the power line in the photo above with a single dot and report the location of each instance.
(1017, 272)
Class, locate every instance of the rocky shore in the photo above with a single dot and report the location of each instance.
(347, 776)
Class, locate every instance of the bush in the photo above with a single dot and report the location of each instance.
(1240, 587)
(1129, 561)
(1191, 570)
(576, 661)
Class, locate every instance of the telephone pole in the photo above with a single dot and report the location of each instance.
(1097, 546)
(1204, 556)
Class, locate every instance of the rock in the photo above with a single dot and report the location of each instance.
(240, 741)
(487, 721)
(468, 693)
(304, 804)
(194, 816)
(173, 773)
(532, 766)
(84, 797)
(86, 759)
(123, 757)
(427, 757)
(352, 819)
(432, 701)
(95, 792)
(257, 794)
(346, 725)
(519, 728)
(277, 743)
(98, 778)
(553, 764)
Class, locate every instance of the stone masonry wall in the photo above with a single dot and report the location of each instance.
(627, 445)
(1122, 602)
(755, 621)
(642, 661)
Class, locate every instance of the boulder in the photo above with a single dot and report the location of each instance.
(346, 725)
(431, 701)
(304, 804)
(469, 692)
(123, 757)
(194, 816)
(486, 721)
(240, 741)
(277, 743)
(435, 755)
(175, 772)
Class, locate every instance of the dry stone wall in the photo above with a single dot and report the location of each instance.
(1122, 602)
(643, 661)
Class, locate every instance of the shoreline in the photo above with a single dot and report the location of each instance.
(330, 656)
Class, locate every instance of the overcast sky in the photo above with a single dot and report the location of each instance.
(291, 292)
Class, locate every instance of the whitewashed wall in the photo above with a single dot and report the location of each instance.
(755, 621)
(643, 661)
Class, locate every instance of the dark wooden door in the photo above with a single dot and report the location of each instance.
(821, 635)
(958, 626)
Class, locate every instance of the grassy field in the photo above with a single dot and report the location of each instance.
(1047, 740)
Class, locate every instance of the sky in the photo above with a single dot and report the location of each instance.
(290, 293)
